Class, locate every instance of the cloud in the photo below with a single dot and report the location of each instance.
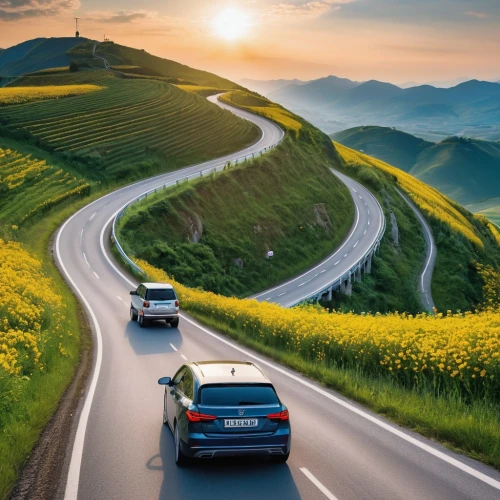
(477, 15)
(308, 9)
(120, 17)
(13, 10)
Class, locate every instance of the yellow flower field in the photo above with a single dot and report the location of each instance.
(456, 351)
(428, 199)
(21, 95)
(30, 312)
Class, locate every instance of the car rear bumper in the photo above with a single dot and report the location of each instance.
(200, 446)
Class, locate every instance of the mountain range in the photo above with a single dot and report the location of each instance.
(467, 170)
(333, 104)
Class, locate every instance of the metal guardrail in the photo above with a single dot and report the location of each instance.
(335, 285)
(186, 178)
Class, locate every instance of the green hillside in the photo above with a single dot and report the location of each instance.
(132, 129)
(141, 62)
(466, 170)
(37, 54)
(388, 144)
(215, 233)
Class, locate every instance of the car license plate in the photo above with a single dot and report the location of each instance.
(241, 422)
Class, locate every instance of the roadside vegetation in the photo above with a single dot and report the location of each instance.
(436, 374)
(215, 233)
(463, 240)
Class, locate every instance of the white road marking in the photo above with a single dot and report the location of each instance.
(337, 262)
(85, 257)
(304, 283)
(281, 294)
(321, 487)
(76, 458)
(355, 244)
(184, 357)
(96, 275)
(173, 347)
(93, 215)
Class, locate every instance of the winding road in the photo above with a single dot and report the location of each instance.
(122, 451)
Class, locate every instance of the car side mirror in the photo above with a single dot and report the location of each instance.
(165, 381)
(133, 292)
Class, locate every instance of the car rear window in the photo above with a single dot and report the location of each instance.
(167, 294)
(238, 395)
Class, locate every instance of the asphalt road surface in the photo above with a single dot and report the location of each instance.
(122, 451)
(368, 225)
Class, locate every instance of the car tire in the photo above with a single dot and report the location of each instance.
(165, 416)
(142, 321)
(175, 323)
(133, 314)
(280, 459)
(180, 458)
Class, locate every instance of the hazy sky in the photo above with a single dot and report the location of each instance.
(391, 40)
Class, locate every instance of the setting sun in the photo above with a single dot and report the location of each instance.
(231, 24)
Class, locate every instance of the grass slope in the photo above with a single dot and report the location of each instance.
(131, 128)
(463, 240)
(286, 201)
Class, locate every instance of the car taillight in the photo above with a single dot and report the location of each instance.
(194, 416)
(146, 303)
(176, 303)
(282, 415)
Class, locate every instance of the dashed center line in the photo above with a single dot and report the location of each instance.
(173, 347)
(184, 357)
(96, 275)
(93, 215)
(321, 487)
(355, 244)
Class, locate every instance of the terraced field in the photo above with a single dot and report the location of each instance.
(30, 186)
(130, 121)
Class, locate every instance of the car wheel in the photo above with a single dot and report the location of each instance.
(142, 321)
(280, 459)
(133, 314)
(180, 458)
(174, 323)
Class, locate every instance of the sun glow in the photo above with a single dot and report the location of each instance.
(231, 24)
